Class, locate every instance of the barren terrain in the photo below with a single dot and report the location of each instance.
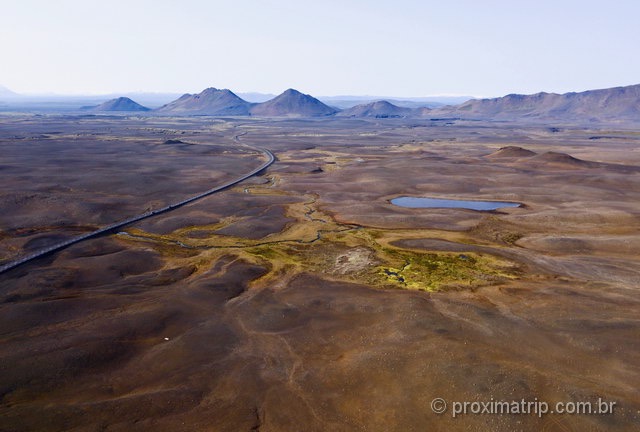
(302, 299)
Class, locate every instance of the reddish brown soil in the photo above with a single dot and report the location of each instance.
(140, 332)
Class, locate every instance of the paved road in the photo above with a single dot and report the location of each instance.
(117, 225)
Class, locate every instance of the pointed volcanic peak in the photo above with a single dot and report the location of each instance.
(118, 104)
(613, 104)
(211, 101)
(292, 103)
(377, 109)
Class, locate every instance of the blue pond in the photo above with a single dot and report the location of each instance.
(414, 202)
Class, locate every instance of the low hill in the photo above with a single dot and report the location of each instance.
(348, 101)
(564, 159)
(618, 103)
(211, 101)
(118, 104)
(292, 103)
(377, 109)
(511, 152)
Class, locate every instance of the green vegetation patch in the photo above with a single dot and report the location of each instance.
(441, 271)
(353, 254)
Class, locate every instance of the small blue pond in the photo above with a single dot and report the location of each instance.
(414, 202)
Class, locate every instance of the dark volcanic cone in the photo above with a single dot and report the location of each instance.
(292, 103)
(120, 104)
(210, 101)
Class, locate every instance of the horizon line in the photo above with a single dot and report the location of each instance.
(370, 96)
(153, 92)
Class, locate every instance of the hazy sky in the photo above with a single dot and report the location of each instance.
(322, 47)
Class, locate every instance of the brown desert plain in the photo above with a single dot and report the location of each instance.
(301, 299)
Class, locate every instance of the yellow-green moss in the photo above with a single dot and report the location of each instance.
(295, 249)
(436, 271)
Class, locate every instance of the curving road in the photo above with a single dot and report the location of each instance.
(59, 246)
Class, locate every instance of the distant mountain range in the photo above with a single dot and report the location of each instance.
(215, 102)
(618, 103)
(613, 104)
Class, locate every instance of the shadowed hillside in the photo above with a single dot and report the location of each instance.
(292, 103)
(210, 101)
(618, 103)
(118, 104)
(378, 109)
